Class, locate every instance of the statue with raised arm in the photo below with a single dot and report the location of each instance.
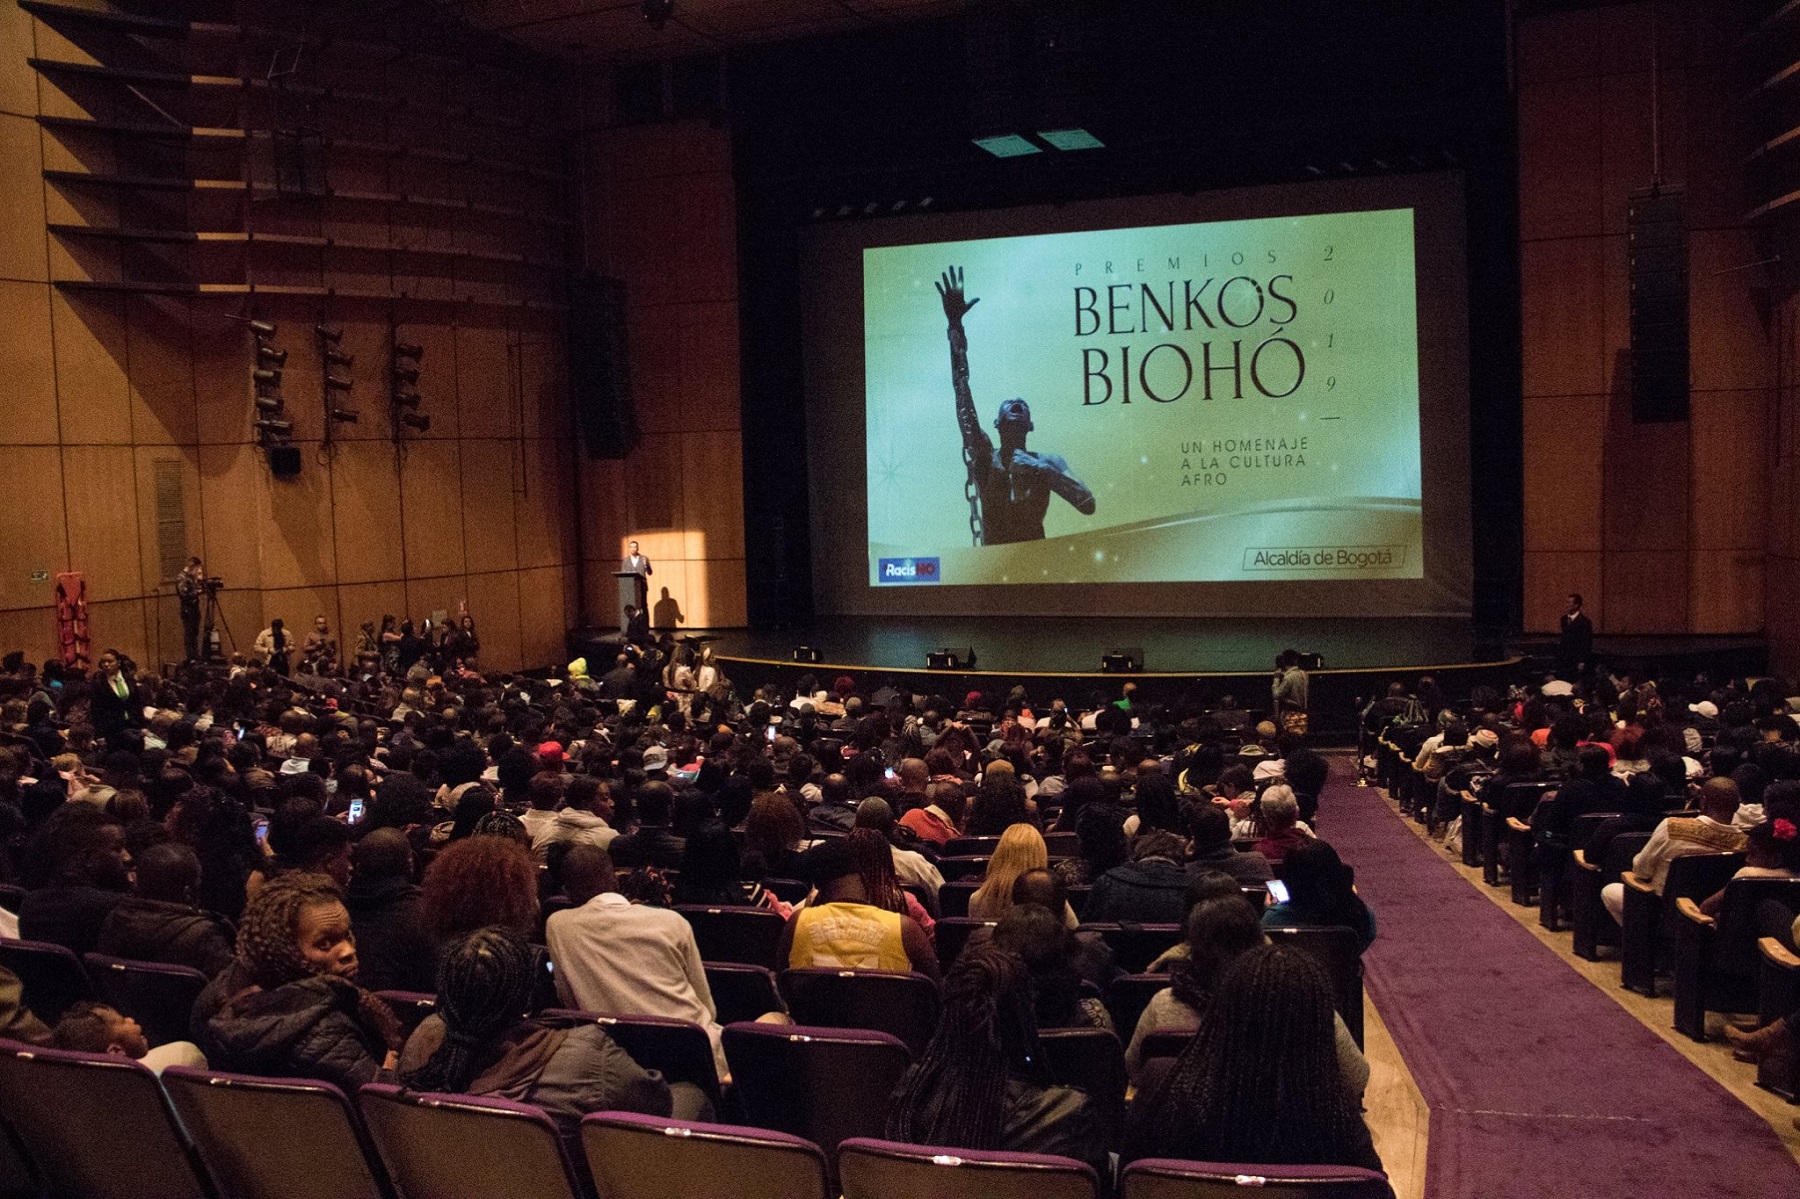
(1009, 488)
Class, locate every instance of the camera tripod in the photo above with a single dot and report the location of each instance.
(209, 615)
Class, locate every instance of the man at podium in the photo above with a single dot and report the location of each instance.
(635, 562)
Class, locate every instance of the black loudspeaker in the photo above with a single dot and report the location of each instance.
(947, 659)
(600, 367)
(1125, 660)
(806, 653)
(1656, 220)
(284, 461)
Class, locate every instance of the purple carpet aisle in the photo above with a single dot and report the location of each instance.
(1539, 1085)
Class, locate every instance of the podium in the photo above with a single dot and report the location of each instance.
(634, 592)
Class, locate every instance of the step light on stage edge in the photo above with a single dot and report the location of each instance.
(1008, 145)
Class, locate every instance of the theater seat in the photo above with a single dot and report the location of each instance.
(680, 1049)
(96, 1126)
(824, 1084)
(265, 1138)
(651, 1157)
(459, 1147)
(160, 998)
(741, 992)
(1094, 1060)
(900, 1003)
(1338, 951)
(876, 1169)
(723, 934)
(52, 976)
(1165, 1178)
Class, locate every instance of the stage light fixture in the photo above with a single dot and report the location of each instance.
(898, 205)
(403, 395)
(657, 12)
(270, 419)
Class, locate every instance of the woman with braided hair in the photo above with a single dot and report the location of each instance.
(875, 862)
(288, 1006)
(1261, 1081)
(483, 1040)
(983, 1082)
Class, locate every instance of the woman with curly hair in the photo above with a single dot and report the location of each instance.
(289, 1006)
(1261, 1082)
(983, 1082)
(477, 882)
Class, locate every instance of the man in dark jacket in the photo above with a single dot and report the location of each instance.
(88, 871)
(159, 923)
(654, 843)
(1149, 889)
(396, 952)
(1211, 847)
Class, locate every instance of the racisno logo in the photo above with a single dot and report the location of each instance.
(907, 570)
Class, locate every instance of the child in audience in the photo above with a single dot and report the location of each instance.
(89, 1027)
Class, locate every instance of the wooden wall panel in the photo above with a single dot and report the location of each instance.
(1728, 342)
(706, 256)
(18, 82)
(1551, 576)
(23, 254)
(365, 492)
(1559, 158)
(28, 364)
(1559, 45)
(1561, 308)
(297, 543)
(359, 602)
(1626, 160)
(483, 383)
(1647, 591)
(231, 482)
(494, 602)
(32, 630)
(1731, 458)
(1647, 484)
(1719, 191)
(441, 594)
(145, 460)
(1782, 614)
(712, 469)
(545, 506)
(1564, 439)
(709, 367)
(716, 590)
(119, 625)
(654, 339)
(160, 370)
(92, 395)
(542, 615)
(1727, 590)
(490, 472)
(100, 390)
(31, 541)
(100, 498)
(431, 490)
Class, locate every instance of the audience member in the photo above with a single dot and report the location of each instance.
(842, 927)
(1320, 895)
(395, 951)
(288, 1005)
(1262, 1081)
(1712, 831)
(159, 922)
(83, 871)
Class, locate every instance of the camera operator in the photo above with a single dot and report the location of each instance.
(190, 587)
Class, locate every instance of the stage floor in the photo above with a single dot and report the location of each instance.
(1066, 645)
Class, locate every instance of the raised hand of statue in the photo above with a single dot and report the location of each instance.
(950, 290)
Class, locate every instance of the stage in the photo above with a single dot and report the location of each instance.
(1202, 659)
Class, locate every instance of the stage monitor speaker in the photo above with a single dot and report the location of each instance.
(284, 461)
(1656, 221)
(600, 367)
(947, 659)
(806, 653)
(1124, 660)
(1312, 662)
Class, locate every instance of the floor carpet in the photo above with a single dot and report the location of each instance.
(1539, 1085)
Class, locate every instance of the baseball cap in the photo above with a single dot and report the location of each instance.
(550, 755)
